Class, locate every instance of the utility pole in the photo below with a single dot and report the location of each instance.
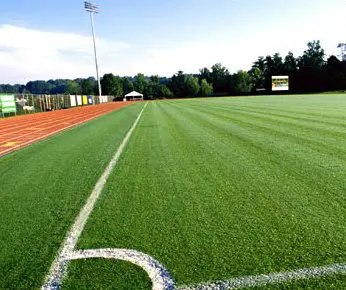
(342, 46)
(92, 9)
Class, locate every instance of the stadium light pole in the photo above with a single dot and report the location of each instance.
(92, 9)
(342, 46)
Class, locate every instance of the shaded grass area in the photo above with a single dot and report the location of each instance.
(221, 188)
(43, 187)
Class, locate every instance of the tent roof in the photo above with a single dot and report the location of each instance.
(134, 94)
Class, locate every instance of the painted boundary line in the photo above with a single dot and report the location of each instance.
(159, 276)
(58, 270)
(272, 278)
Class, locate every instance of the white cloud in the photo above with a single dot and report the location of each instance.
(28, 54)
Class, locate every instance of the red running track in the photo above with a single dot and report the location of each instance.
(21, 131)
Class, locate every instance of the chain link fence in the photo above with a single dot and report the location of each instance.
(30, 103)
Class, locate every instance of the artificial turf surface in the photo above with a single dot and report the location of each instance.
(215, 189)
(43, 187)
(321, 283)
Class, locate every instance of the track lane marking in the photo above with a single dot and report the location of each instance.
(9, 144)
(51, 121)
(3, 152)
(14, 125)
(23, 144)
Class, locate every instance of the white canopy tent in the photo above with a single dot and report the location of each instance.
(134, 95)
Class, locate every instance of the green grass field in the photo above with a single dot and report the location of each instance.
(214, 189)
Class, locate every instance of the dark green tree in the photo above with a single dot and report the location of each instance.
(242, 82)
(206, 88)
(112, 85)
(177, 85)
(140, 83)
(127, 85)
(164, 92)
(290, 63)
(309, 77)
(10, 89)
(73, 88)
(204, 73)
(89, 86)
(38, 87)
(153, 87)
(117, 88)
(260, 63)
(192, 85)
(220, 78)
(257, 78)
(277, 64)
(108, 84)
(313, 56)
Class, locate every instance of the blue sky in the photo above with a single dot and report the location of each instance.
(43, 39)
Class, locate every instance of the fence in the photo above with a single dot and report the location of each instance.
(26, 103)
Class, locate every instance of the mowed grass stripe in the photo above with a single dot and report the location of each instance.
(291, 117)
(296, 116)
(250, 140)
(277, 131)
(318, 105)
(43, 187)
(296, 165)
(270, 115)
(212, 199)
(288, 152)
(314, 112)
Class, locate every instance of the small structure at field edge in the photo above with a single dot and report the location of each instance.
(135, 96)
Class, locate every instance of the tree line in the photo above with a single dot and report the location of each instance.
(310, 72)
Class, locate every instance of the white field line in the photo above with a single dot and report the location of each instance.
(159, 276)
(271, 278)
(59, 266)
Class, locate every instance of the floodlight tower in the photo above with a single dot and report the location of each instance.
(93, 8)
(342, 46)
